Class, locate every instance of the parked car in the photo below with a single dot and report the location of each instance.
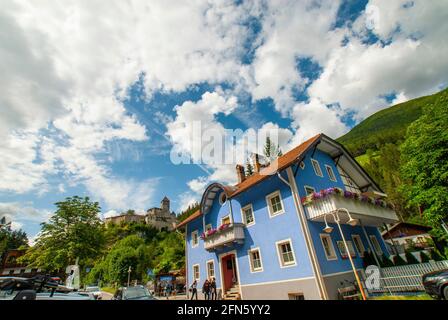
(95, 291)
(38, 288)
(133, 293)
(65, 296)
(436, 284)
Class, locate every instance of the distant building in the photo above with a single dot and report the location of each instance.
(159, 218)
(403, 236)
(10, 267)
(128, 217)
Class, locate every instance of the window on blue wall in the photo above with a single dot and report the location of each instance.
(194, 238)
(275, 204)
(196, 272)
(330, 173)
(285, 253)
(248, 215)
(358, 244)
(327, 244)
(376, 245)
(309, 190)
(210, 269)
(255, 260)
(316, 167)
(343, 251)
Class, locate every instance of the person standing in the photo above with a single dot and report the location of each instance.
(194, 290)
(213, 292)
(206, 289)
(168, 290)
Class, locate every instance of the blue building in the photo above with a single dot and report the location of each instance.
(274, 235)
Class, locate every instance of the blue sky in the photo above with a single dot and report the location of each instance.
(94, 96)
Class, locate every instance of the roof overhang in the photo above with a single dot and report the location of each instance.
(348, 164)
(210, 194)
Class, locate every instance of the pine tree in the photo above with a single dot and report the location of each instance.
(271, 151)
(249, 168)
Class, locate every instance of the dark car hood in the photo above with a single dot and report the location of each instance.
(142, 298)
(437, 273)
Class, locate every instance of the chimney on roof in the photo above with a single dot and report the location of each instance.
(256, 162)
(240, 173)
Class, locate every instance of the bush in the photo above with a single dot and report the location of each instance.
(436, 256)
(398, 261)
(411, 258)
(424, 257)
(368, 259)
(385, 261)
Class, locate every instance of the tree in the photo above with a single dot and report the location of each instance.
(249, 168)
(271, 151)
(74, 231)
(171, 253)
(384, 167)
(425, 168)
(188, 212)
(11, 239)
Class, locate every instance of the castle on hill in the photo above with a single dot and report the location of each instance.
(158, 217)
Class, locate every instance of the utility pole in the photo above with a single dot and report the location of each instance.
(129, 275)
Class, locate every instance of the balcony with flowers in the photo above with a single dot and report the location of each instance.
(226, 235)
(371, 210)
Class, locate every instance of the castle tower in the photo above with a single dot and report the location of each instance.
(165, 204)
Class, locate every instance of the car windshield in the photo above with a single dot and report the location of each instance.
(92, 289)
(136, 292)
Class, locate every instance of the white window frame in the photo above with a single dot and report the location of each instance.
(349, 245)
(194, 273)
(243, 215)
(313, 162)
(302, 165)
(376, 243)
(333, 256)
(330, 169)
(357, 236)
(227, 216)
(279, 254)
(193, 244)
(210, 262)
(305, 187)
(251, 265)
(268, 201)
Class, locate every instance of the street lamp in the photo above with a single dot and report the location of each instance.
(353, 223)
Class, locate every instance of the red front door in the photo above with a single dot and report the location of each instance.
(228, 271)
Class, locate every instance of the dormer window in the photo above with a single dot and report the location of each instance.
(222, 198)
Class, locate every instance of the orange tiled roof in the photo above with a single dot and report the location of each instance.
(195, 215)
(281, 163)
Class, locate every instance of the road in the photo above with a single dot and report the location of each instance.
(106, 295)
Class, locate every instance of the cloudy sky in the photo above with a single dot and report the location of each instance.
(95, 94)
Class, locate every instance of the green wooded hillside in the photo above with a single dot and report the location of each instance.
(386, 126)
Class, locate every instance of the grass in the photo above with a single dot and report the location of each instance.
(365, 158)
(416, 297)
(108, 290)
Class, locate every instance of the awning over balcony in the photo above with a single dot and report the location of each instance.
(369, 213)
